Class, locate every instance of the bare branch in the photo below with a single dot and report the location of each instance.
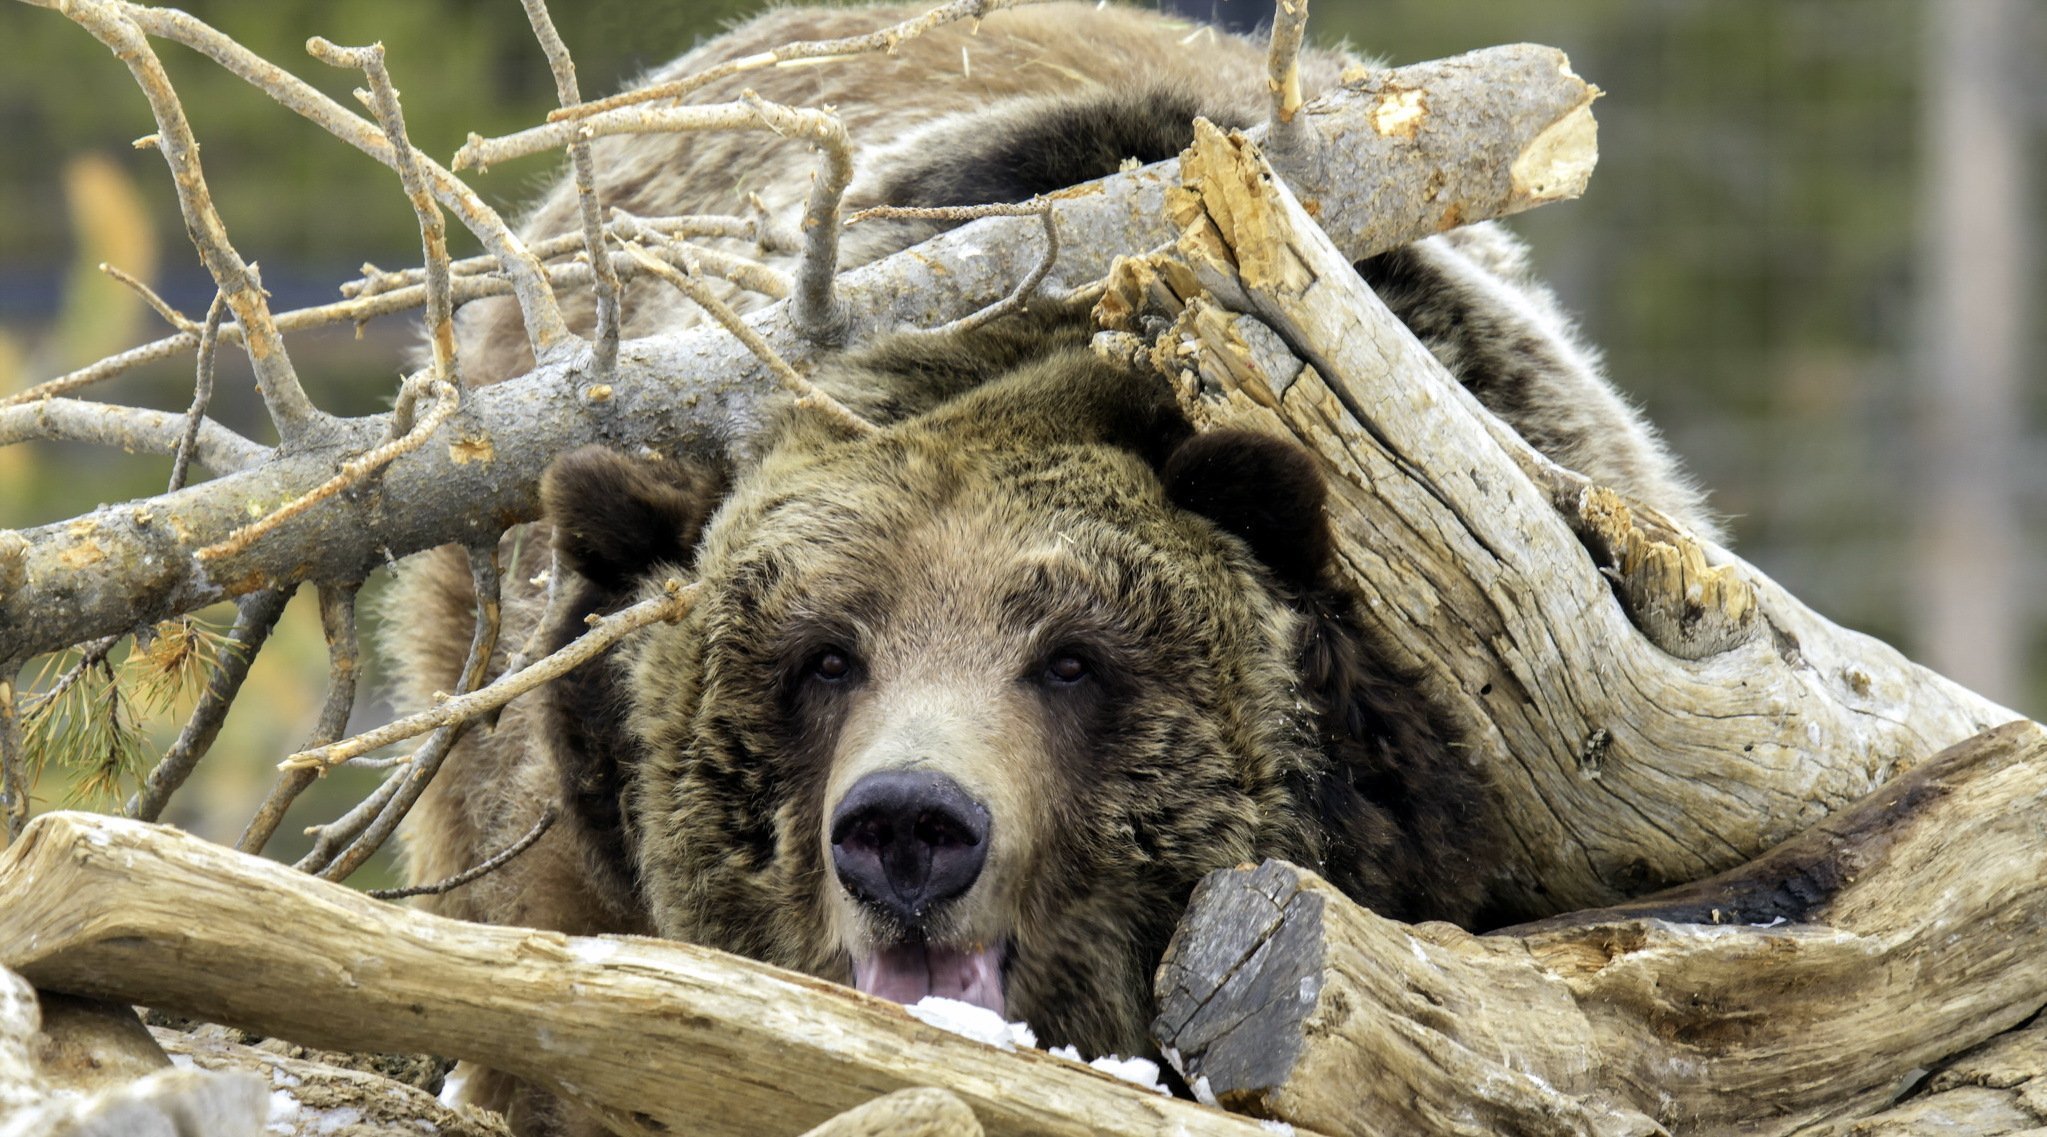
(433, 233)
(258, 615)
(484, 579)
(488, 865)
(673, 603)
(589, 205)
(13, 778)
(541, 314)
(344, 665)
(750, 275)
(807, 394)
(699, 387)
(1018, 298)
(202, 391)
(290, 411)
(447, 399)
(819, 314)
(376, 280)
(157, 304)
(132, 429)
(330, 839)
(108, 368)
(1283, 65)
(885, 40)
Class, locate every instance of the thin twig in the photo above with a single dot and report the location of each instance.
(13, 779)
(541, 315)
(819, 314)
(484, 579)
(886, 40)
(1019, 296)
(448, 399)
(157, 304)
(591, 206)
(484, 868)
(466, 286)
(90, 655)
(344, 665)
(807, 394)
(1283, 69)
(257, 616)
(433, 232)
(202, 391)
(376, 280)
(750, 275)
(133, 429)
(331, 838)
(673, 603)
(290, 411)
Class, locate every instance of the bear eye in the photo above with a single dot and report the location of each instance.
(832, 665)
(1067, 668)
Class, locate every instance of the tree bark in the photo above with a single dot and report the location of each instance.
(1651, 709)
(1810, 986)
(718, 1045)
(1508, 128)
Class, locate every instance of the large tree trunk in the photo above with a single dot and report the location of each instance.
(1651, 709)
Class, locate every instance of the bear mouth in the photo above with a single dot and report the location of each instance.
(907, 972)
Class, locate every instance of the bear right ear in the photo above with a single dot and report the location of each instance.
(1268, 491)
(614, 517)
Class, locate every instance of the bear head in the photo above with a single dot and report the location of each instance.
(966, 706)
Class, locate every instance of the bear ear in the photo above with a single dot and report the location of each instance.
(615, 517)
(1268, 491)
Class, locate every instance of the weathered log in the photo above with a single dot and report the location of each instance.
(641, 1032)
(1810, 986)
(1999, 1088)
(1511, 129)
(1658, 726)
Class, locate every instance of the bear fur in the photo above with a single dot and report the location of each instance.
(1124, 640)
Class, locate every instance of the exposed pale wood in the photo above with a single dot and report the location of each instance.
(905, 1113)
(1807, 987)
(1655, 728)
(644, 1032)
(1995, 1090)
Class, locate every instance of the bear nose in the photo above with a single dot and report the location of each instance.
(904, 840)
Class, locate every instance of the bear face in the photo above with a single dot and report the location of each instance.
(968, 706)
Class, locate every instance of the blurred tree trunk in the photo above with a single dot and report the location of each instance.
(1969, 605)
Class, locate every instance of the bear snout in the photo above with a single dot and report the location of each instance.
(904, 841)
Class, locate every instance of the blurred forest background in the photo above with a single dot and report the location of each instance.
(1812, 228)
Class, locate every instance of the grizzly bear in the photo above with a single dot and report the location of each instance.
(966, 706)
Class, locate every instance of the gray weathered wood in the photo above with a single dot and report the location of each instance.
(1651, 708)
(1808, 987)
(642, 1032)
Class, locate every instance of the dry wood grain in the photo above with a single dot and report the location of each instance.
(1657, 727)
(643, 1032)
(1807, 988)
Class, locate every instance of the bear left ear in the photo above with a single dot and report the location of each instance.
(615, 517)
(1268, 491)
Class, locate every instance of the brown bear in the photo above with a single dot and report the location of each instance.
(966, 706)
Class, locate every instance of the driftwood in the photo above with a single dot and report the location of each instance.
(1652, 709)
(641, 1032)
(1812, 985)
(1511, 130)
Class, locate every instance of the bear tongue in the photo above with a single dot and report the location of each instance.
(906, 973)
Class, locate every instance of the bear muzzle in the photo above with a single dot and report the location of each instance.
(903, 843)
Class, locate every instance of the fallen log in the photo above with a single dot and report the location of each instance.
(643, 1033)
(1809, 987)
(1651, 708)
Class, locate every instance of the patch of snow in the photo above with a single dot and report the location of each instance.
(977, 1023)
(1281, 1128)
(1066, 1052)
(284, 1112)
(592, 950)
(1205, 1093)
(1137, 1071)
